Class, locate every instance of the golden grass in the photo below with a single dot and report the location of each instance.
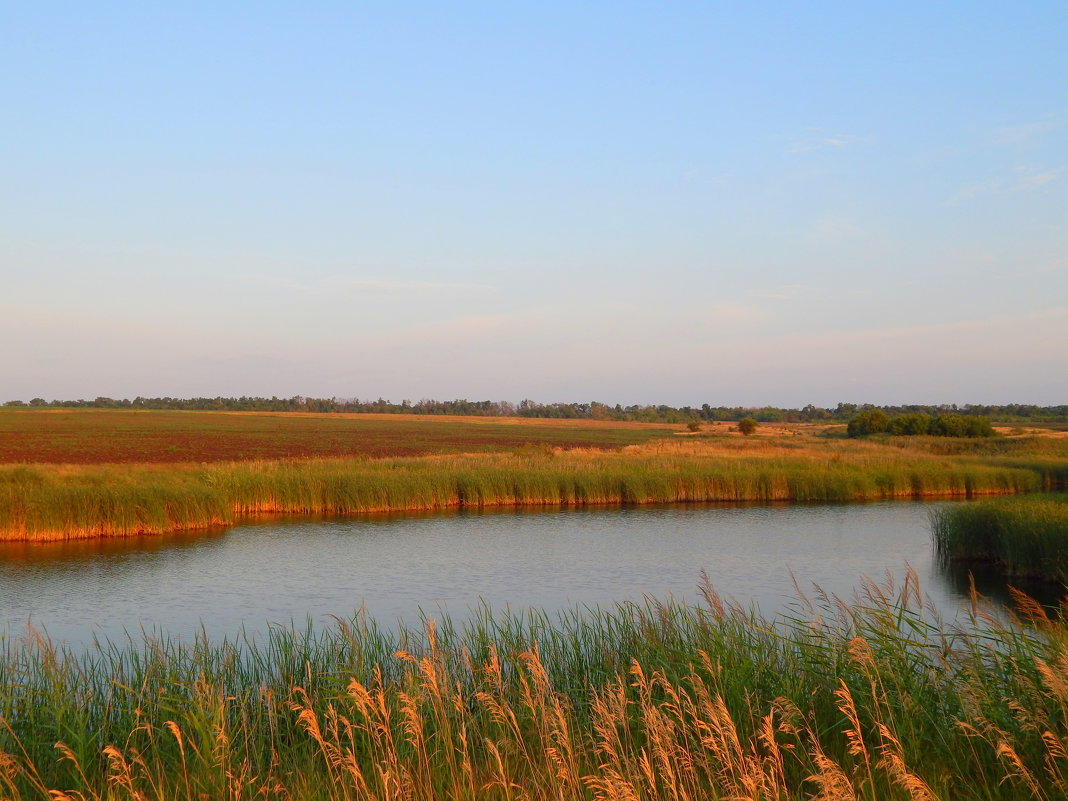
(64, 502)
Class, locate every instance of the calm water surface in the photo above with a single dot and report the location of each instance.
(295, 571)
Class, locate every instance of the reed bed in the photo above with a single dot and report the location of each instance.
(873, 699)
(44, 502)
(1026, 537)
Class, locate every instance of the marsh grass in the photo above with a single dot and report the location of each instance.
(1026, 537)
(46, 502)
(872, 699)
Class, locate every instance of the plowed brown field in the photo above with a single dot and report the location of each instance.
(101, 436)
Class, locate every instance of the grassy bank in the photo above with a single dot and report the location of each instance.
(44, 502)
(870, 700)
(1025, 536)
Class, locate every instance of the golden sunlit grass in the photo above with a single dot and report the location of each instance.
(49, 503)
(874, 699)
(56, 502)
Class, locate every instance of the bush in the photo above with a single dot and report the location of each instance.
(869, 421)
(876, 421)
(957, 425)
(747, 425)
(908, 425)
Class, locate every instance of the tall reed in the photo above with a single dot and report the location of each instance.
(1025, 536)
(872, 699)
(44, 502)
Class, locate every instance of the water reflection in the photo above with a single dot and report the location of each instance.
(991, 583)
(395, 565)
(44, 554)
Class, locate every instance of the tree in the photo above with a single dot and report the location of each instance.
(747, 425)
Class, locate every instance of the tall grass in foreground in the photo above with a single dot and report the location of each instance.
(875, 699)
(43, 502)
(1025, 536)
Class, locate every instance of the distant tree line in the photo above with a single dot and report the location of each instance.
(907, 416)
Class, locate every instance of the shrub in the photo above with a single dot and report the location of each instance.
(908, 425)
(876, 421)
(747, 425)
(869, 421)
(957, 425)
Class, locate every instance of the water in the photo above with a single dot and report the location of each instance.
(395, 566)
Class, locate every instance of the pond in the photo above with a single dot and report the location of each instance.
(295, 571)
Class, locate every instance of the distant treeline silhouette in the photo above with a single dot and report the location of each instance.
(843, 412)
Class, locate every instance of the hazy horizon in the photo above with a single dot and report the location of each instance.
(433, 406)
(734, 205)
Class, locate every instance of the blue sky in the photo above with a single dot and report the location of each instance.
(683, 203)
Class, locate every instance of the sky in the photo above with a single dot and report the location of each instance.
(739, 204)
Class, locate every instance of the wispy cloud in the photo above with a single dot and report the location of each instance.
(975, 190)
(1024, 179)
(279, 282)
(340, 283)
(1053, 266)
(1024, 133)
(720, 317)
(821, 142)
(462, 327)
(586, 327)
(831, 230)
(1037, 179)
(698, 175)
(970, 342)
(781, 292)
